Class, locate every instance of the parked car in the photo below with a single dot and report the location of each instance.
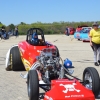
(83, 34)
(72, 30)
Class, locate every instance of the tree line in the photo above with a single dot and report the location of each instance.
(48, 28)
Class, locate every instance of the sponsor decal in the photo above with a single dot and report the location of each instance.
(69, 96)
(69, 87)
(77, 95)
(64, 81)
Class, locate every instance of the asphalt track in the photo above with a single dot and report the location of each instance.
(13, 87)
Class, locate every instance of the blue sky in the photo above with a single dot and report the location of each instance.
(30, 11)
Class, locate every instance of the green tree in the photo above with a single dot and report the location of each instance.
(11, 26)
(22, 23)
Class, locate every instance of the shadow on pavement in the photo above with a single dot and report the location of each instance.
(84, 61)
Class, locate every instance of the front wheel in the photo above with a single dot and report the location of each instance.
(33, 85)
(91, 80)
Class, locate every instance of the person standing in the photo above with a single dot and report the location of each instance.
(67, 31)
(3, 32)
(3, 29)
(16, 31)
(95, 42)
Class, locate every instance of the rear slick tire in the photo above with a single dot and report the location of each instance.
(15, 60)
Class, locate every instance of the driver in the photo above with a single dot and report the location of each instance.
(35, 40)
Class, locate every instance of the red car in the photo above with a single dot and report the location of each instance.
(79, 28)
(22, 56)
(72, 30)
(48, 71)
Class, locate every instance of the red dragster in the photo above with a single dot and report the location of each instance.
(22, 56)
(47, 70)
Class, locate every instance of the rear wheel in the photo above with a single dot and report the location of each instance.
(15, 60)
(33, 85)
(58, 55)
(91, 80)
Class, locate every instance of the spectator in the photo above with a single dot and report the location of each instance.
(3, 29)
(2, 32)
(67, 31)
(95, 42)
(16, 31)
